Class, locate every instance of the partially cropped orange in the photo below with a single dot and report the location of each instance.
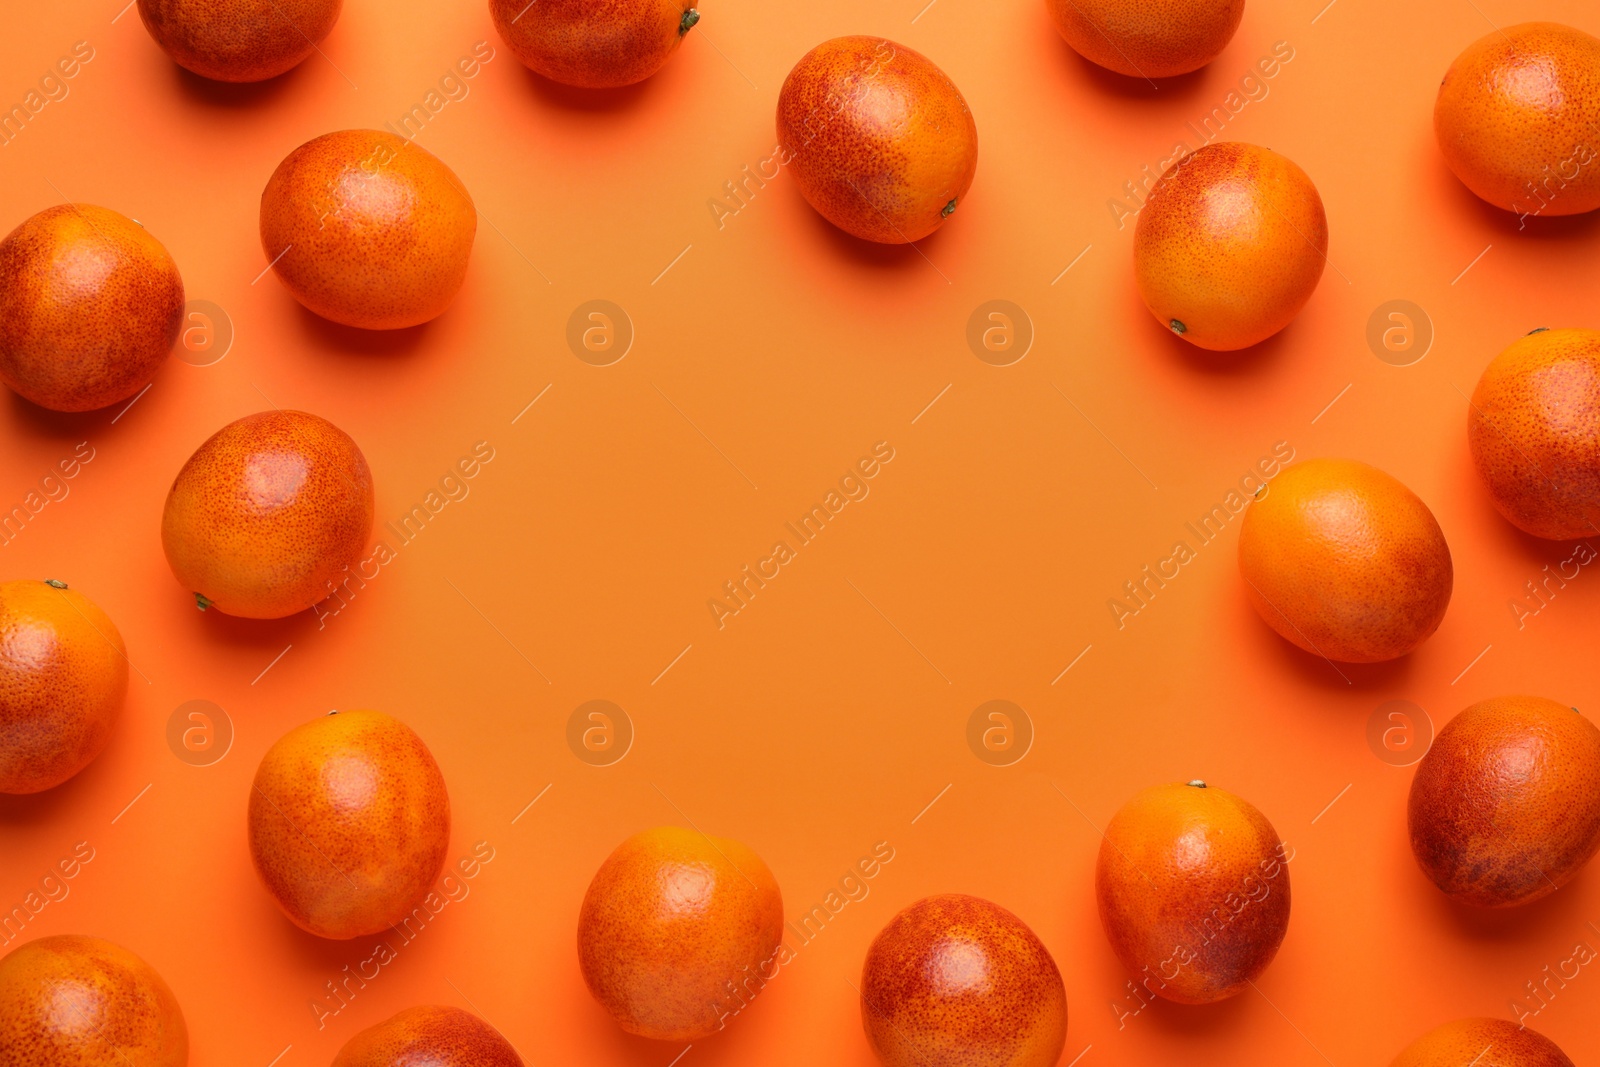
(429, 1037)
(1482, 1043)
(1193, 889)
(1147, 38)
(90, 306)
(1516, 117)
(1345, 562)
(1534, 429)
(63, 679)
(962, 982)
(594, 45)
(1505, 807)
(678, 931)
(268, 514)
(879, 139)
(239, 40)
(72, 1001)
(349, 822)
(1230, 245)
(368, 229)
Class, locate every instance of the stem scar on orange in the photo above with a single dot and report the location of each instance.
(1345, 562)
(1148, 38)
(594, 45)
(1230, 245)
(1482, 1043)
(239, 40)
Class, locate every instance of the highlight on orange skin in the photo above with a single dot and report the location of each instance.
(349, 823)
(594, 46)
(63, 680)
(90, 307)
(429, 1037)
(1147, 38)
(961, 981)
(239, 40)
(122, 1010)
(1482, 1043)
(671, 918)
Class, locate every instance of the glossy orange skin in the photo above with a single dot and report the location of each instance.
(1147, 38)
(959, 981)
(90, 305)
(594, 44)
(429, 1037)
(1193, 888)
(1505, 807)
(1230, 245)
(1345, 562)
(1482, 1043)
(879, 140)
(368, 230)
(267, 513)
(1534, 430)
(349, 822)
(123, 1014)
(239, 40)
(1516, 115)
(671, 918)
(63, 679)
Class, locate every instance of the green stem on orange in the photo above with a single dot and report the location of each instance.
(55, 584)
(949, 209)
(1197, 783)
(201, 602)
(1538, 329)
(690, 17)
(1178, 328)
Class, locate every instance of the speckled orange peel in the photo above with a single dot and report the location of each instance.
(1505, 807)
(1193, 923)
(1516, 119)
(349, 823)
(1230, 245)
(1533, 426)
(74, 1001)
(90, 307)
(1147, 38)
(879, 139)
(594, 46)
(267, 513)
(429, 1036)
(959, 980)
(1345, 562)
(1482, 1043)
(368, 229)
(239, 40)
(678, 932)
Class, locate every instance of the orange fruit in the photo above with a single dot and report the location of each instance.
(1534, 430)
(1482, 1043)
(90, 305)
(676, 930)
(1230, 245)
(1516, 115)
(1193, 888)
(368, 230)
(594, 45)
(1345, 562)
(962, 982)
(1505, 807)
(267, 513)
(1148, 38)
(239, 40)
(63, 677)
(72, 1001)
(348, 823)
(429, 1037)
(879, 140)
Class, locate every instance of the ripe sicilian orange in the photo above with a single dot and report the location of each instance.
(429, 1037)
(1147, 38)
(594, 45)
(1482, 1043)
(239, 40)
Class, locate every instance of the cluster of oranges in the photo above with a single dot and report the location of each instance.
(349, 817)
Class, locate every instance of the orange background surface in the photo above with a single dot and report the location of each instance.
(827, 714)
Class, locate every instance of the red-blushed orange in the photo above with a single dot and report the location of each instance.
(1345, 562)
(349, 822)
(1147, 38)
(239, 40)
(429, 1037)
(677, 931)
(594, 45)
(1505, 807)
(1482, 1043)
(90, 306)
